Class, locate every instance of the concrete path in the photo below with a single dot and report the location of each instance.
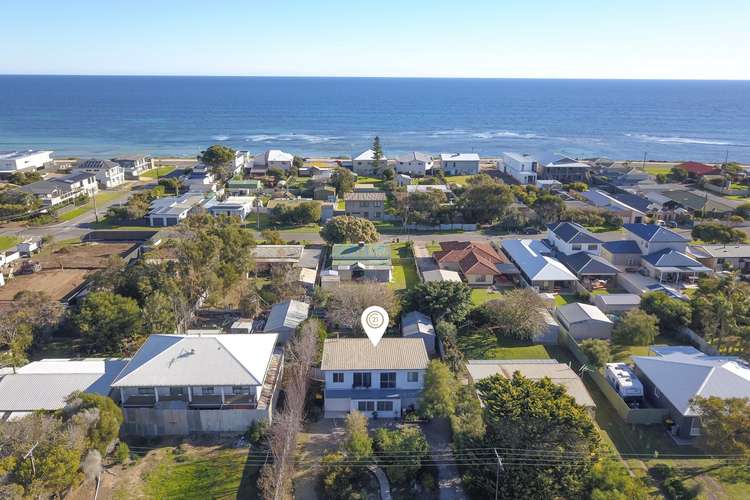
(385, 486)
(423, 258)
(437, 433)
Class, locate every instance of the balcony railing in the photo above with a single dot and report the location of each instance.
(236, 401)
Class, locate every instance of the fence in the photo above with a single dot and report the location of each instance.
(639, 416)
(442, 227)
(725, 191)
(694, 339)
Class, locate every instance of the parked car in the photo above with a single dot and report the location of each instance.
(530, 230)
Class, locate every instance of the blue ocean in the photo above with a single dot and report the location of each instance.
(620, 119)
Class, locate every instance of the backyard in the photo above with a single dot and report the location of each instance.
(481, 295)
(482, 344)
(404, 267)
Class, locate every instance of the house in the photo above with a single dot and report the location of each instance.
(380, 381)
(616, 303)
(592, 270)
(624, 253)
(171, 210)
(134, 166)
(324, 193)
(365, 164)
(234, 206)
(184, 384)
(538, 269)
(415, 324)
(729, 256)
(242, 160)
(425, 188)
(522, 167)
(273, 158)
(8, 256)
(108, 173)
(45, 384)
(243, 187)
(676, 375)
(548, 184)
(696, 170)
(269, 256)
(362, 262)
(534, 369)
(200, 181)
(440, 275)
(632, 176)
(584, 321)
(414, 163)
(567, 170)
(459, 163)
(368, 205)
(285, 317)
(651, 238)
(696, 202)
(605, 201)
(478, 262)
(59, 190)
(23, 161)
(570, 237)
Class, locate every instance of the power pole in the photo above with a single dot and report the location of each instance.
(497, 471)
(643, 165)
(96, 213)
(30, 453)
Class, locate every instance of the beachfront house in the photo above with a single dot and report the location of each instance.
(380, 381)
(522, 167)
(677, 374)
(184, 384)
(365, 164)
(567, 170)
(23, 161)
(414, 163)
(273, 158)
(365, 204)
(108, 173)
(60, 190)
(459, 163)
(362, 262)
(133, 166)
(538, 268)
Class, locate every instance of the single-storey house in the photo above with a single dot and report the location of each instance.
(616, 303)
(534, 369)
(285, 317)
(695, 169)
(677, 374)
(45, 384)
(324, 193)
(537, 268)
(589, 268)
(171, 210)
(584, 321)
(478, 262)
(362, 262)
(183, 384)
(601, 199)
(234, 206)
(22, 161)
(415, 324)
(268, 256)
(698, 202)
(672, 266)
(730, 256)
(243, 187)
(380, 381)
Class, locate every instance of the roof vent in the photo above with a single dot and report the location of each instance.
(361, 244)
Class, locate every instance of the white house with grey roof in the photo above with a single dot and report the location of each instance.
(273, 158)
(44, 385)
(285, 317)
(108, 173)
(364, 163)
(459, 163)
(414, 163)
(522, 167)
(571, 237)
(183, 384)
(23, 161)
(382, 380)
(171, 210)
(677, 374)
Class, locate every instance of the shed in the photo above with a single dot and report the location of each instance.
(585, 321)
(617, 302)
(285, 317)
(418, 325)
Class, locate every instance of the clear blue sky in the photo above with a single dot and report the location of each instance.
(469, 38)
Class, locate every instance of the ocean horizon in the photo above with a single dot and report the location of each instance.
(103, 116)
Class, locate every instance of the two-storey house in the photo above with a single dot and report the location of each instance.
(182, 384)
(59, 190)
(579, 251)
(365, 204)
(414, 163)
(365, 164)
(382, 380)
(108, 173)
(522, 167)
(133, 166)
(459, 163)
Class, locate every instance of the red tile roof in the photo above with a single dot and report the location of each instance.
(472, 257)
(696, 168)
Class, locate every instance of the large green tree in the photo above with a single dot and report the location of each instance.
(343, 180)
(410, 444)
(357, 442)
(484, 200)
(636, 327)
(443, 300)
(220, 158)
(721, 312)
(518, 314)
(716, 232)
(347, 229)
(108, 322)
(673, 313)
(546, 441)
(549, 207)
(105, 427)
(597, 350)
(439, 393)
(725, 423)
(610, 480)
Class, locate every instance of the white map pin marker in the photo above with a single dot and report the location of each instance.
(374, 322)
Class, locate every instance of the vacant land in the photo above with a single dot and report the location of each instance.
(482, 344)
(57, 283)
(7, 242)
(404, 267)
(82, 255)
(157, 172)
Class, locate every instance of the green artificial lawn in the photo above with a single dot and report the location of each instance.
(162, 171)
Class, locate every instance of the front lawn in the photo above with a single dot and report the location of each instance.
(7, 242)
(161, 171)
(404, 267)
(102, 197)
(481, 295)
(363, 179)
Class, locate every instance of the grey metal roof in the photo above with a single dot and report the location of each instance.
(180, 360)
(578, 312)
(95, 164)
(583, 263)
(44, 385)
(365, 196)
(414, 156)
(727, 251)
(622, 247)
(277, 253)
(652, 232)
(619, 299)
(360, 354)
(416, 323)
(571, 232)
(286, 316)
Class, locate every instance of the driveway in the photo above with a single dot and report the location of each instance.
(438, 434)
(317, 439)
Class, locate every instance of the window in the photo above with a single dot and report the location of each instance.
(576, 247)
(388, 380)
(338, 378)
(385, 405)
(593, 247)
(240, 390)
(366, 405)
(695, 426)
(176, 391)
(146, 391)
(412, 377)
(362, 380)
(207, 391)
